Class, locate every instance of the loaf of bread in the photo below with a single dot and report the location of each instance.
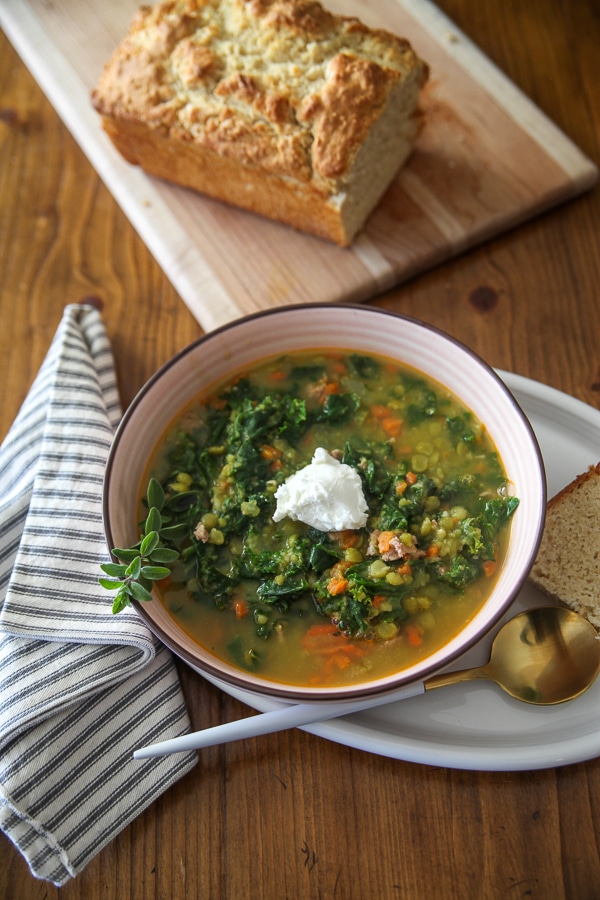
(275, 106)
(567, 567)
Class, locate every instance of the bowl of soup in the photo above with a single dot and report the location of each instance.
(342, 501)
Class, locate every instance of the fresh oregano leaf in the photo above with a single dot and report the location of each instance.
(163, 555)
(126, 555)
(155, 494)
(153, 521)
(110, 585)
(114, 570)
(155, 573)
(121, 601)
(134, 568)
(149, 543)
(139, 593)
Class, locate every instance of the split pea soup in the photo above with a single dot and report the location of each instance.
(299, 605)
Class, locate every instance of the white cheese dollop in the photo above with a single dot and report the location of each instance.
(326, 494)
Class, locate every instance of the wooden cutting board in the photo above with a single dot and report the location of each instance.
(486, 160)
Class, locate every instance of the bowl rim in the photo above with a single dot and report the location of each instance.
(364, 689)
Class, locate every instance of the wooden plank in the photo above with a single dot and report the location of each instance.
(486, 160)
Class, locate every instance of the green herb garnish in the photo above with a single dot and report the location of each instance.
(146, 561)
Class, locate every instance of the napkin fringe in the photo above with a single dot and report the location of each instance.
(25, 832)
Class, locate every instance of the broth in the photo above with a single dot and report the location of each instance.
(306, 607)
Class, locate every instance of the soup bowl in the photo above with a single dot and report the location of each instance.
(313, 329)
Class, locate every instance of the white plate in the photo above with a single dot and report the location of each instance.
(477, 726)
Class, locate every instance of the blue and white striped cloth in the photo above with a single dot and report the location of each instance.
(80, 689)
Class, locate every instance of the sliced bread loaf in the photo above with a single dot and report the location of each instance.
(567, 567)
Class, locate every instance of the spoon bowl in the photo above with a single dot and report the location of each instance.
(543, 656)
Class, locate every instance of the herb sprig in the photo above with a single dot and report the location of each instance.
(149, 560)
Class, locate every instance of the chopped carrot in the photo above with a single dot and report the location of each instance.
(241, 608)
(489, 567)
(401, 487)
(340, 367)
(337, 584)
(267, 451)
(324, 644)
(352, 649)
(380, 411)
(325, 628)
(346, 539)
(384, 540)
(391, 425)
(432, 550)
(322, 390)
(338, 660)
(342, 660)
(330, 645)
(412, 633)
(411, 478)
(334, 649)
(276, 465)
(404, 569)
(378, 599)
(278, 375)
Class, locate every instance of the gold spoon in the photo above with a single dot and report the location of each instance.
(542, 656)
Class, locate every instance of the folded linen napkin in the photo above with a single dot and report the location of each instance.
(80, 689)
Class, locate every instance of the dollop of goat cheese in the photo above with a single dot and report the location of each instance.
(326, 494)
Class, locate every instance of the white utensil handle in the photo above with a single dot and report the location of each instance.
(277, 720)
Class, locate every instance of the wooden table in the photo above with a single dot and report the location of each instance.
(293, 815)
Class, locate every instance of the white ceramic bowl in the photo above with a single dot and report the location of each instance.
(359, 328)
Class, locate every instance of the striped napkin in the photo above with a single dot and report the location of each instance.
(80, 689)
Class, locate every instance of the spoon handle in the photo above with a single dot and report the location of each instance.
(285, 716)
(446, 678)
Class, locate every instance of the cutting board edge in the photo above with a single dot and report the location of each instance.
(505, 93)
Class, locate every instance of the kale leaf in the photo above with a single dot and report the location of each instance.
(338, 408)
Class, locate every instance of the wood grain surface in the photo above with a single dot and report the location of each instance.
(486, 159)
(292, 815)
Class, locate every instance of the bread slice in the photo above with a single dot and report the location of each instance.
(567, 567)
(276, 106)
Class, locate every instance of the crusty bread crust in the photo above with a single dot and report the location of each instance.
(567, 567)
(276, 106)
